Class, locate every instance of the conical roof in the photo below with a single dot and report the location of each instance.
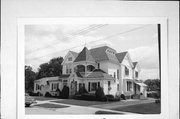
(84, 55)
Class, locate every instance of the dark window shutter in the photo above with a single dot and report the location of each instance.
(98, 84)
(89, 86)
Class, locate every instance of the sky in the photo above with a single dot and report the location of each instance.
(44, 42)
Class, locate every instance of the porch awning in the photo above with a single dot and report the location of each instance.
(140, 84)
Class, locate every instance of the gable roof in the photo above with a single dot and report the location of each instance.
(98, 73)
(134, 64)
(99, 54)
(120, 56)
(84, 55)
(75, 54)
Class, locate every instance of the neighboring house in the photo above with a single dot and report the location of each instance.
(98, 67)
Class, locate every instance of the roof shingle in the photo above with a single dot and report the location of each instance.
(120, 56)
(84, 55)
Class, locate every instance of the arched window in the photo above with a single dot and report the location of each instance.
(80, 68)
(90, 68)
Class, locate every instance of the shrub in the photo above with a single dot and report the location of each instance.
(123, 97)
(47, 94)
(65, 92)
(82, 90)
(32, 93)
(100, 96)
(112, 98)
(88, 97)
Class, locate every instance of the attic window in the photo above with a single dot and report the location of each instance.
(70, 59)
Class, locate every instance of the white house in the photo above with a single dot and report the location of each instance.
(97, 67)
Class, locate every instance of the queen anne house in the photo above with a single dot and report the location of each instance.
(97, 67)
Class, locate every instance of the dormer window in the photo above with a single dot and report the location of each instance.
(70, 59)
(110, 52)
(126, 71)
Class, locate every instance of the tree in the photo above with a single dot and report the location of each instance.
(52, 68)
(153, 84)
(30, 76)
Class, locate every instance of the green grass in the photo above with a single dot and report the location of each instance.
(48, 105)
(80, 102)
(148, 108)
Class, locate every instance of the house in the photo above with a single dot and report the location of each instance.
(97, 67)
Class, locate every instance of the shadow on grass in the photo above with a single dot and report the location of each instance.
(48, 105)
(106, 112)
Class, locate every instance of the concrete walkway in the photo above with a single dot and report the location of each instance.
(71, 109)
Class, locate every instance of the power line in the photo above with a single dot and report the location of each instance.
(134, 29)
(81, 32)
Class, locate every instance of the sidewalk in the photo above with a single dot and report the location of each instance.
(71, 109)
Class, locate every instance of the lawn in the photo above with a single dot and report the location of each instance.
(147, 108)
(80, 102)
(48, 105)
(42, 98)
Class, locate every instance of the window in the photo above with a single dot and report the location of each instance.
(65, 82)
(117, 87)
(69, 70)
(70, 59)
(126, 71)
(136, 74)
(93, 86)
(117, 74)
(55, 86)
(129, 86)
(98, 65)
(66, 71)
(114, 74)
(109, 83)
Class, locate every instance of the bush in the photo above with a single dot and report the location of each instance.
(100, 96)
(82, 90)
(32, 93)
(88, 97)
(47, 94)
(112, 98)
(123, 97)
(65, 92)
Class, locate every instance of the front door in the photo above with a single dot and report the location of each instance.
(73, 88)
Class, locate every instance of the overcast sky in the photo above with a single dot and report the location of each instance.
(43, 42)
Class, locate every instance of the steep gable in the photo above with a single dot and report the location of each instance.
(134, 64)
(69, 54)
(121, 56)
(75, 54)
(84, 55)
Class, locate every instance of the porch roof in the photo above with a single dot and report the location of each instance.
(140, 83)
(98, 73)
